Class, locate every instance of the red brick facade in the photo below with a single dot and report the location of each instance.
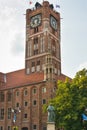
(28, 89)
(23, 88)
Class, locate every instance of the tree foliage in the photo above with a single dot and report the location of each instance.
(70, 102)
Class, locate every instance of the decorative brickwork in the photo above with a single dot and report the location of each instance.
(29, 89)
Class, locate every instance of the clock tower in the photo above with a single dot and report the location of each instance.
(43, 41)
(28, 89)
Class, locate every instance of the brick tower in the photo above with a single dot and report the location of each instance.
(29, 89)
(43, 41)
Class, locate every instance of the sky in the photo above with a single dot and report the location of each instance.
(73, 34)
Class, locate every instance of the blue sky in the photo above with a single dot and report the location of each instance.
(73, 34)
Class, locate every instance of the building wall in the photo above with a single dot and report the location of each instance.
(30, 96)
(23, 98)
(42, 36)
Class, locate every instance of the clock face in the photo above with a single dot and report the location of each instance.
(35, 21)
(53, 22)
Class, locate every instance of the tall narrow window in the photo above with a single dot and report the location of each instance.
(44, 90)
(25, 93)
(38, 62)
(34, 90)
(27, 50)
(1, 113)
(28, 71)
(30, 49)
(35, 46)
(9, 113)
(58, 51)
(34, 102)
(27, 67)
(36, 43)
(34, 127)
(33, 67)
(49, 42)
(55, 69)
(1, 127)
(25, 103)
(36, 40)
(9, 96)
(9, 127)
(33, 64)
(36, 52)
(50, 70)
(53, 47)
(2, 97)
(44, 128)
(25, 115)
(46, 70)
(42, 46)
(36, 30)
(43, 101)
(38, 65)
(17, 104)
(17, 93)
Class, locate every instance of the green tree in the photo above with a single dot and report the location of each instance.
(70, 102)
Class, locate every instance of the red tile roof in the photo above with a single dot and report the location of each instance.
(19, 78)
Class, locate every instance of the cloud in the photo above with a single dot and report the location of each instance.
(12, 3)
(11, 30)
(17, 45)
(82, 66)
(8, 24)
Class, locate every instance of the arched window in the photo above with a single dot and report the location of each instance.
(25, 92)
